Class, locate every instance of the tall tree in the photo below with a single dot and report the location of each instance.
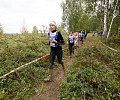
(72, 10)
(93, 14)
(77, 14)
(119, 18)
(1, 29)
(115, 13)
(24, 29)
(105, 19)
(35, 30)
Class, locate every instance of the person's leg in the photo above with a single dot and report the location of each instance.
(51, 58)
(59, 56)
(73, 50)
(82, 40)
(49, 77)
(85, 37)
(77, 46)
(70, 50)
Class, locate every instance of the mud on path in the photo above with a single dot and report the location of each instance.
(50, 90)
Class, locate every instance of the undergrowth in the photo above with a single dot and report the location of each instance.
(17, 50)
(93, 75)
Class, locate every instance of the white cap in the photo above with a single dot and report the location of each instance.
(54, 23)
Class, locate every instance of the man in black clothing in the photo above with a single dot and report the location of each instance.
(55, 41)
(70, 42)
(85, 35)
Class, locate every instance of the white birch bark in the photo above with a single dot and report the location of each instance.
(114, 15)
(105, 19)
(101, 17)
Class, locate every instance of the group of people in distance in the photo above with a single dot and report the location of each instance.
(73, 40)
(56, 41)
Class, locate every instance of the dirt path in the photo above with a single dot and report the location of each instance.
(51, 89)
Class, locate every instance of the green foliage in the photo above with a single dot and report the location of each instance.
(89, 15)
(25, 49)
(93, 75)
(43, 31)
(61, 28)
(17, 50)
(24, 30)
(1, 29)
(35, 30)
(80, 15)
(114, 42)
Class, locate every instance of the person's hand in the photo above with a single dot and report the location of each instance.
(47, 43)
(75, 43)
(53, 41)
(67, 42)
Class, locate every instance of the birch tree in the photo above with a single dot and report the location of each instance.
(115, 13)
(101, 2)
(105, 19)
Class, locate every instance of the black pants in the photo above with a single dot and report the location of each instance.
(81, 39)
(85, 36)
(71, 48)
(53, 53)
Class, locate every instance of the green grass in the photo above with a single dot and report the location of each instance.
(114, 42)
(95, 71)
(94, 74)
(16, 50)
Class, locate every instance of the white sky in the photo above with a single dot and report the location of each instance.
(13, 13)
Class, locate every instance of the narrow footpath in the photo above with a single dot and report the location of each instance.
(50, 90)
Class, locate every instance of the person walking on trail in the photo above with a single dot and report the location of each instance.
(83, 31)
(70, 42)
(55, 41)
(81, 37)
(76, 40)
(93, 34)
(85, 34)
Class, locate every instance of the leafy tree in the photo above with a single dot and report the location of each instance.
(24, 29)
(43, 30)
(1, 29)
(72, 11)
(61, 28)
(115, 13)
(77, 15)
(94, 15)
(35, 30)
(105, 19)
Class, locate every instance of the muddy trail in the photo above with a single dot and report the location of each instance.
(50, 90)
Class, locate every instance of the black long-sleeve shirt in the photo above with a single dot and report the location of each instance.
(60, 41)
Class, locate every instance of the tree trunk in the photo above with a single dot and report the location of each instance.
(101, 17)
(114, 15)
(105, 19)
(119, 23)
(119, 30)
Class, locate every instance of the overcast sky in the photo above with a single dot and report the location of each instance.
(14, 13)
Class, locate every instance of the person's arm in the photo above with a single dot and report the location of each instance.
(74, 38)
(60, 40)
(83, 35)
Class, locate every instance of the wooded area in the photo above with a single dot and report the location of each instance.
(92, 15)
